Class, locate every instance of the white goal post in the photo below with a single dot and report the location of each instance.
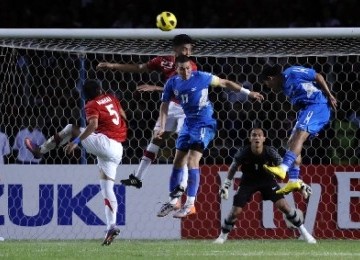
(41, 71)
(346, 32)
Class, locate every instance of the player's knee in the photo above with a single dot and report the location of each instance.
(298, 160)
(157, 141)
(283, 206)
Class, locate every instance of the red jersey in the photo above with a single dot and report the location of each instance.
(165, 65)
(107, 109)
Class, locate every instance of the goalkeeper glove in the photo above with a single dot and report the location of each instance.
(224, 190)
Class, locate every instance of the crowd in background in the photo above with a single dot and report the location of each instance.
(48, 87)
(190, 14)
(45, 96)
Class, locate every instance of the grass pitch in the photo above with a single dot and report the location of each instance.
(179, 249)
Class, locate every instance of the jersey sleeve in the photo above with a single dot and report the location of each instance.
(275, 158)
(91, 111)
(154, 64)
(239, 157)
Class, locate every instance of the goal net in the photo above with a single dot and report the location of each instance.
(40, 82)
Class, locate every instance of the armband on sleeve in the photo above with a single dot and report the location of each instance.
(215, 81)
(244, 91)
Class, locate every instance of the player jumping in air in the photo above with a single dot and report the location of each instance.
(105, 131)
(191, 89)
(308, 90)
(251, 158)
(182, 45)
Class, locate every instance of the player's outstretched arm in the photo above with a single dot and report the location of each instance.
(122, 67)
(231, 85)
(149, 88)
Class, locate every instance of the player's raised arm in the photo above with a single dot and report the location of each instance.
(122, 67)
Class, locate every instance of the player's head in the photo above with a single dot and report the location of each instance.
(271, 76)
(91, 89)
(183, 66)
(257, 137)
(182, 44)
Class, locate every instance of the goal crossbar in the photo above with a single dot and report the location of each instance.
(200, 33)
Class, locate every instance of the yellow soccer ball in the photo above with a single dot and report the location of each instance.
(166, 21)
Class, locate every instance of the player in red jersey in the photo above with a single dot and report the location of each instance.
(182, 45)
(105, 131)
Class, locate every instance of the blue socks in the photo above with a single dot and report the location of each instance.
(176, 177)
(193, 182)
(294, 172)
(289, 159)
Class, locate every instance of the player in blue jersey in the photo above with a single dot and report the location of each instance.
(191, 88)
(309, 91)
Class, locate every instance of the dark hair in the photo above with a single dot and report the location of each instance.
(181, 39)
(91, 89)
(182, 59)
(258, 127)
(270, 71)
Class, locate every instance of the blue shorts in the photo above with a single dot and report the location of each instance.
(313, 118)
(198, 134)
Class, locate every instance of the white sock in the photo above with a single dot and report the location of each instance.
(190, 201)
(173, 201)
(64, 135)
(284, 167)
(185, 177)
(111, 205)
(146, 162)
(293, 180)
(143, 167)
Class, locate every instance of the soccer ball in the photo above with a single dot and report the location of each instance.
(166, 21)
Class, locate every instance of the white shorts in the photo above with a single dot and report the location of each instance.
(174, 120)
(108, 152)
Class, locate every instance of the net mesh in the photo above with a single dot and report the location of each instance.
(40, 81)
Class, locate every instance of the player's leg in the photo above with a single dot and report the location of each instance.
(175, 179)
(293, 216)
(193, 183)
(135, 179)
(296, 141)
(295, 183)
(228, 225)
(58, 139)
(109, 154)
(242, 196)
(153, 148)
(311, 120)
(111, 205)
(200, 138)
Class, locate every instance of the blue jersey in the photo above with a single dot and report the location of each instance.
(192, 95)
(300, 86)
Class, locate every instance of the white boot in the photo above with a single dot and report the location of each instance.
(306, 235)
(221, 239)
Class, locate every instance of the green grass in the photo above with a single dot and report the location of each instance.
(182, 249)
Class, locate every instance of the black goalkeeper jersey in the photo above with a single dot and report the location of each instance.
(252, 165)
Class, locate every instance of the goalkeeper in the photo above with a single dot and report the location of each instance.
(255, 178)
